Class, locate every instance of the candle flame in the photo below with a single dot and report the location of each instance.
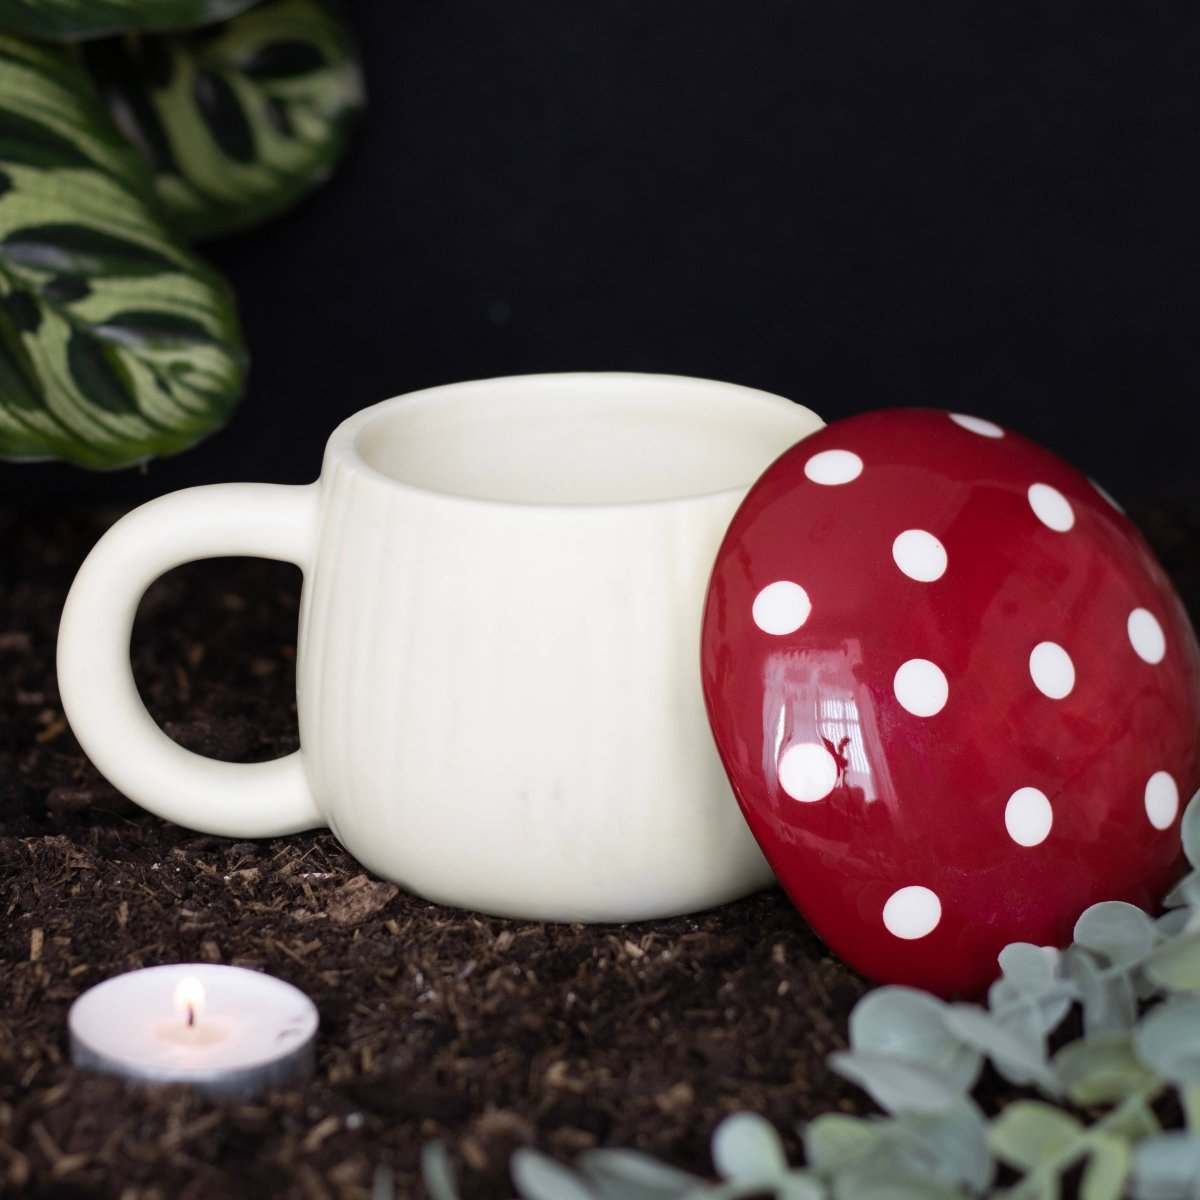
(189, 997)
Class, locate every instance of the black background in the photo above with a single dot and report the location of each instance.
(986, 207)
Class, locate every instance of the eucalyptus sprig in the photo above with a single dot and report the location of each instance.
(1093, 1109)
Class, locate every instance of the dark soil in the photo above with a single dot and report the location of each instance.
(435, 1023)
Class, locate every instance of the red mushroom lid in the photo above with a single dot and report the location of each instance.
(956, 695)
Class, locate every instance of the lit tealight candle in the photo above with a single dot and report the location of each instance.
(222, 1029)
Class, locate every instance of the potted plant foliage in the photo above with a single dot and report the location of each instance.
(129, 130)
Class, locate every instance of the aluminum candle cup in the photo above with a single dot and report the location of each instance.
(224, 1030)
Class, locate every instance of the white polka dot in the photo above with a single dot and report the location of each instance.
(977, 425)
(1028, 817)
(1052, 670)
(781, 607)
(1146, 636)
(807, 772)
(1105, 496)
(1051, 507)
(919, 555)
(921, 687)
(1162, 799)
(912, 912)
(832, 467)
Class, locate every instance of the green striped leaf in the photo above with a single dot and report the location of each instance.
(116, 342)
(77, 20)
(236, 122)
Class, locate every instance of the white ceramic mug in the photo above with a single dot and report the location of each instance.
(497, 666)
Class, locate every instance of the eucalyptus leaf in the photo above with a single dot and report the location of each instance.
(383, 1186)
(538, 1177)
(1121, 932)
(1189, 830)
(76, 20)
(1018, 1060)
(1175, 965)
(856, 1187)
(833, 1140)
(796, 1185)
(1030, 1133)
(1031, 969)
(747, 1149)
(950, 1147)
(1167, 1167)
(1038, 1186)
(1031, 992)
(1107, 1169)
(1167, 1039)
(1027, 1022)
(1175, 920)
(116, 343)
(436, 1172)
(1101, 1069)
(801, 1187)
(631, 1175)
(238, 123)
(1107, 996)
(898, 1085)
(904, 1023)
(1135, 1118)
(1185, 892)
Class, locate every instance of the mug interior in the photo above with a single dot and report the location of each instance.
(579, 439)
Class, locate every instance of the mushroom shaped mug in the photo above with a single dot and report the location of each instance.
(497, 681)
(957, 696)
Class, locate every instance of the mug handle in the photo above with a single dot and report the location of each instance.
(95, 678)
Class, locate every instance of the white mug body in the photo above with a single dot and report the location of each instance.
(497, 666)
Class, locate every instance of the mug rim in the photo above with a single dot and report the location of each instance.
(342, 446)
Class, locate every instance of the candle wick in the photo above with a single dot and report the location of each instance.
(191, 1015)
